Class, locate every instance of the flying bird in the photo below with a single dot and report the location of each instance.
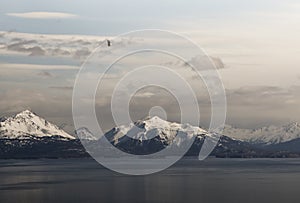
(108, 43)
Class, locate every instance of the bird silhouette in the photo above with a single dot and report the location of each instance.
(108, 43)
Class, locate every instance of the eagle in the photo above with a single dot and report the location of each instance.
(108, 43)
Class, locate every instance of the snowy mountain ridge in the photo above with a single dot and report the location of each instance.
(27, 125)
(265, 135)
(152, 127)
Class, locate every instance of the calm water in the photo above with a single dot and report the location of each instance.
(214, 180)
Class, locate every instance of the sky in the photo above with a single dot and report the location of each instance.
(256, 44)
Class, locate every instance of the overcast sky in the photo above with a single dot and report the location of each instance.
(256, 44)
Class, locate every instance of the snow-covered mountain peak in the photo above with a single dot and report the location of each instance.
(151, 127)
(154, 118)
(154, 122)
(25, 113)
(26, 125)
(84, 133)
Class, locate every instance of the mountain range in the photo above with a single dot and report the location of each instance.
(26, 135)
(266, 135)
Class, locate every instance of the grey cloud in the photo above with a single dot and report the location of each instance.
(16, 47)
(256, 90)
(62, 87)
(16, 39)
(37, 45)
(20, 44)
(122, 42)
(82, 42)
(36, 51)
(45, 74)
(52, 45)
(261, 92)
(82, 53)
(59, 52)
(218, 62)
(33, 50)
(202, 62)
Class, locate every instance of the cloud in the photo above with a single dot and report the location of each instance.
(82, 53)
(21, 47)
(259, 91)
(37, 66)
(199, 61)
(218, 62)
(36, 51)
(45, 74)
(59, 52)
(206, 62)
(42, 15)
(74, 46)
(62, 87)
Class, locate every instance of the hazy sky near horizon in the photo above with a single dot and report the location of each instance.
(257, 41)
